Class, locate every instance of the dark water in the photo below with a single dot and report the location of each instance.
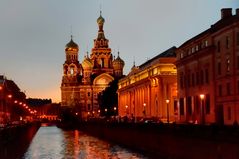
(54, 143)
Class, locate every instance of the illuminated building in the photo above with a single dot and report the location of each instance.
(81, 82)
(10, 97)
(208, 73)
(150, 90)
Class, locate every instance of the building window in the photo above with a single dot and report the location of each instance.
(229, 112)
(88, 94)
(197, 78)
(206, 43)
(189, 106)
(181, 55)
(218, 46)
(193, 80)
(206, 76)
(238, 38)
(197, 104)
(219, 68)
(181, 105)
(196, 47)
(228, 64)
(72, 70)
(227, 42)
(228, 89)
(220, 90)
(193, 49)
(207, 104)
(202, 77)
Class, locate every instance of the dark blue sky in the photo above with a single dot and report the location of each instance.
(33, 34)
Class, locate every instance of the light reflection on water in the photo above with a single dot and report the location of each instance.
(54, 143)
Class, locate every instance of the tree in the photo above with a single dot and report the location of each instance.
(108, 99)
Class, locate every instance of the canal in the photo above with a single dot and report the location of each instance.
(54, 143)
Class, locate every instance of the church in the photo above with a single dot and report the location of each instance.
(82, 82)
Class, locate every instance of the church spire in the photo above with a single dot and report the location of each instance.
(100, 22)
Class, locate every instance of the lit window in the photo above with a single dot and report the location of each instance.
(72, 70)
(181, 55)
(197, 48)
(193, 49)
(206, 43)
(228, 64)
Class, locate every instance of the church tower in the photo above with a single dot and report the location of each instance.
(82, 82)
(101, 53)
(71, 73)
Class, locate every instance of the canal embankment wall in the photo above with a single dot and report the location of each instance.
(14, 140)
(170, 141)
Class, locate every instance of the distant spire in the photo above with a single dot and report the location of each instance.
(118, 53)
(100, 9)
(134, 62)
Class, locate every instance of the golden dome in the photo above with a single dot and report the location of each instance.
(87, 63)
(71, 45)
(100, 20)
(118, 62)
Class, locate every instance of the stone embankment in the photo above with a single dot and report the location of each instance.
(14, 140)
(170, 141)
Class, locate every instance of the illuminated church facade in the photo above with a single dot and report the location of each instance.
(82, 82)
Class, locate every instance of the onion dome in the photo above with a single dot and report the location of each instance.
(71, 46)
(86, 63)
(118, 63)
(100, 20)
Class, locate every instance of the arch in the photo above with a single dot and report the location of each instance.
(103, 79)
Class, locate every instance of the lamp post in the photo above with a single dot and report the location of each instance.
(144, 109)
(167, 101)
(202, 96)
(115, 110)
(126, 110)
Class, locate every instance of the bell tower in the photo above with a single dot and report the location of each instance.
(101, 53)
(71, 72)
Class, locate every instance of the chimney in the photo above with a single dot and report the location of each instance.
(237, 12)
(226, 12)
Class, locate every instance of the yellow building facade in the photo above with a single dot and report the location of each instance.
(150, 90)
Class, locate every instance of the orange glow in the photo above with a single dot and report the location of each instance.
(98, 111)
(105, 110)
(9, 96)
(167, 101)
(15, 101)
(202, 96)
(1, 88)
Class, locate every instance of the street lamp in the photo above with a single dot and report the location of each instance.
(202, 96)
(167, 101)
(126, 109)
(144, 109)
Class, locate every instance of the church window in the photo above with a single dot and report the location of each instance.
(72, 70)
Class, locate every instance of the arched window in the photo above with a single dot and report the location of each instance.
(71, 70)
